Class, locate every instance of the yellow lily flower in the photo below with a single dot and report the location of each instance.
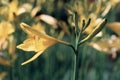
(38, 42)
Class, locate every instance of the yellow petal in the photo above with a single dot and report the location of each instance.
(102, 46)
(33, 58)
(36, 44)
(28, 45)
(107, 9)
(39, 27)
(32, 32)
(40, 34)
(26, 7)
(114, 2)
(35, 11)
(109, 46)
(5, 62)
(6, 28)
(48, 19)
(3, 75)
(13, 8)
(114, 26)
(99, 6)
(12, 45)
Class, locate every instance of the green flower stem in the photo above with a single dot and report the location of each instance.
(75, 70)
(78, 35)
(76, 58)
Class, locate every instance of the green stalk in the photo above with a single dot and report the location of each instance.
(76, 58)
(76, 66)
(75, 71)
(78, 35)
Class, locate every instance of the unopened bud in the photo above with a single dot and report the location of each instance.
(97, 29)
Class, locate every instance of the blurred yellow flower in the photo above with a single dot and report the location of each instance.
(5, 30)
(109, 46)
(3, 75)
(16, 10)
(5, 62)
(13, 7)
(115, 27)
